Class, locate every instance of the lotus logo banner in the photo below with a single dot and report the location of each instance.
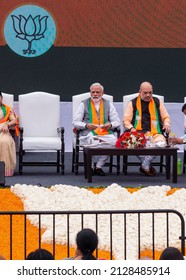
(29, 31)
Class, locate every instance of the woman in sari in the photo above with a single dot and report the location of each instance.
(7, 144)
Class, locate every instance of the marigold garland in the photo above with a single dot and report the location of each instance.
(10, 202)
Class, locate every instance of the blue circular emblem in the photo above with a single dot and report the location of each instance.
(29, 31)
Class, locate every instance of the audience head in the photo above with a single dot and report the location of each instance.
(87, 242)
(96, 92)
(184, 109)
(40, 254)
(171, 253)
(146, 91)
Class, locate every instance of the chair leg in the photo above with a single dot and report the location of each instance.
(73, 159)
(20, 162)
(76, 164)
(21, 152)
(58, 162)
(62, 162)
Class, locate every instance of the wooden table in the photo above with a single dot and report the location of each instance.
(168, 152)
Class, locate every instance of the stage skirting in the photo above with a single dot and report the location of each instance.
(174, 109)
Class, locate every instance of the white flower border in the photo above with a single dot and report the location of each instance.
(114, 197)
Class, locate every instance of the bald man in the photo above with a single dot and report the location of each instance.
(147, 114)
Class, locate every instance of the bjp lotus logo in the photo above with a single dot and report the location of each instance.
(30, 30)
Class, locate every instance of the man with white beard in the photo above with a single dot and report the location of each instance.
(96, 117)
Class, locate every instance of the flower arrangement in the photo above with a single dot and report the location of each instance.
(131, 140)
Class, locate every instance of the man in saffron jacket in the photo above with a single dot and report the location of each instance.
(96, 117)
(147, 114)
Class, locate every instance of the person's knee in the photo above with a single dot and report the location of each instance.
(4, 143)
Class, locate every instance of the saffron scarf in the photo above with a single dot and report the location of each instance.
(154, 120)
(94, 118)
(6, 112)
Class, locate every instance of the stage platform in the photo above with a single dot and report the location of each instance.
(47, 176)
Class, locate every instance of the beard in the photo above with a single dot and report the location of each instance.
(96, 99)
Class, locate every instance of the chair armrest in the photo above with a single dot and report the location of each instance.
(76, 132)
(61, 130)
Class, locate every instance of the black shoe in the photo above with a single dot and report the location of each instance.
(147, 172)
(153, 170)
(99, 172)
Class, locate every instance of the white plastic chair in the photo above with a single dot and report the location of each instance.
(129, 97)
(39, 115)
(76, 149)
(126, 99)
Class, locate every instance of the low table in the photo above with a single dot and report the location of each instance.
(114, 151)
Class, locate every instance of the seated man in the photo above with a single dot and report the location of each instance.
(96, 117)
(7, 144)
(147, 114)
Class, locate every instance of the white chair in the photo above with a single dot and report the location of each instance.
(39, 115)
(126, 99)
(129, 97)
(76, 100)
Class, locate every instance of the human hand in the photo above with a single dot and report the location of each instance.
(132, 129)
(166, 128)
(106, 126)
(91, 126)
(4, 128)
(173, 141)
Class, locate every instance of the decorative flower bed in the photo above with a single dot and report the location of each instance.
(114, 197)
(11, 202)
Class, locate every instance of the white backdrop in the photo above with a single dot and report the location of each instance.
(174, 109)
